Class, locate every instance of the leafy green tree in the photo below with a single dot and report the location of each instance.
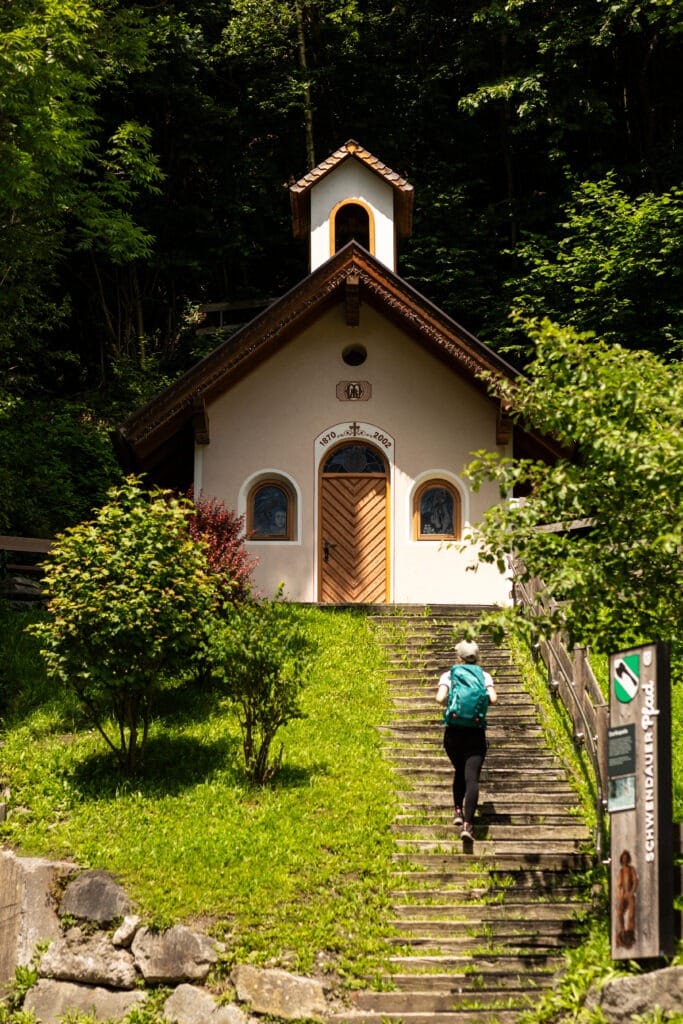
(296, 37)
(52, 477)
(67, 181)
(615, 581)
(129, 593)
(617, 268)
(261, 656)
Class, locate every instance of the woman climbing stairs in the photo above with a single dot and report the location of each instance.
(479, 927)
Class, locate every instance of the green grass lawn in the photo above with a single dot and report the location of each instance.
(281, 873)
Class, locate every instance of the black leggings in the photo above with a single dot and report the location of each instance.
(466, 749)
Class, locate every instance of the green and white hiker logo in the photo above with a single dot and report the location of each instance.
(626, 678)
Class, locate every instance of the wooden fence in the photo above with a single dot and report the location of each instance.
(571, 679)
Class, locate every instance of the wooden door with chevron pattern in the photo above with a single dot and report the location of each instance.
(353, 539)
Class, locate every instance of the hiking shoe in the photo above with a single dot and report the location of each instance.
(457, 817)
(467, 832)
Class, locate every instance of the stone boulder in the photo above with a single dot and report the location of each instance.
(125, 933)
(621, 999)
(29, 910)
(51, 1000)
(177, 955)
(88, 959)
(95, 896)
(278, 993)
(192, 1005)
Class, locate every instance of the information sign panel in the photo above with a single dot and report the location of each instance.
(640, 804)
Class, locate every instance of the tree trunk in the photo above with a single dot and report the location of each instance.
(303, 65)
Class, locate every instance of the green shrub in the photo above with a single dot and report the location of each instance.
(261, 656)
(129, 592)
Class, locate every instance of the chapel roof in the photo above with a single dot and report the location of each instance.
(352, 276)
(300, 198)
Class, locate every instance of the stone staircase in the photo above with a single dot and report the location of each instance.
(479, 927)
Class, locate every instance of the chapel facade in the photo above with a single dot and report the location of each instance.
(340, 420)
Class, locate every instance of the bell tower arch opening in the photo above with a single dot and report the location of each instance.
(352, 222)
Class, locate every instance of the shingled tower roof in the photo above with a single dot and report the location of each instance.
(300, 197)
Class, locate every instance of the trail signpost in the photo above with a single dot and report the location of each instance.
(640, 804)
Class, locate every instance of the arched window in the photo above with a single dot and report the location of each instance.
(436, 511)
(355, 459)
(352, 221)
(271, 511)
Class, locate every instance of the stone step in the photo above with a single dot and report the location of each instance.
(492, 978)
(534, 963)
(472, 912)
(517, 834)
(528, 780)
(506, 790)
(435, 800)
(525, 852)
(455, 895)
(538, 882)
(445, 861)
(465, 997)
(475, 1016)
(440, 815)
(497, 759)
(517, 940)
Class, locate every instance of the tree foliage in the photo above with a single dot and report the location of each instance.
(615, 581)
(68, 180)
(616, 270)
(128, 595)
(261, 656)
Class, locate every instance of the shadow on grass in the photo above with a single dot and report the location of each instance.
(176, 763)
(172, 764)
(292, 776)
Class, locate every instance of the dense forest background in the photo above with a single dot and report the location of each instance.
(144, 150)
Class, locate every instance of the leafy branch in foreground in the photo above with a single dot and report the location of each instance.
(615, 581)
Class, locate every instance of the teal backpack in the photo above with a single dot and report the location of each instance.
(468, 698)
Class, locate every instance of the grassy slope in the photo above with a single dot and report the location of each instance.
(280, 872)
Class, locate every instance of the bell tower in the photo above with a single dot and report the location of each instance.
(352, 196)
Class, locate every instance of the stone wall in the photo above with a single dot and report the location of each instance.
(102, 959)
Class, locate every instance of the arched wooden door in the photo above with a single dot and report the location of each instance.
(354, 545)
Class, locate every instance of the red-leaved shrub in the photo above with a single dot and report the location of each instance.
(223, 530)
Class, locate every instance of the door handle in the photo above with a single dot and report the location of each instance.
(326, 550)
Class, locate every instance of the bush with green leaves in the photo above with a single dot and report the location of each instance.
(615, 582)
(261, 655)
(129, 593)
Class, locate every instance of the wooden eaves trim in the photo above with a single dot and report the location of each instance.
(353, 267)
